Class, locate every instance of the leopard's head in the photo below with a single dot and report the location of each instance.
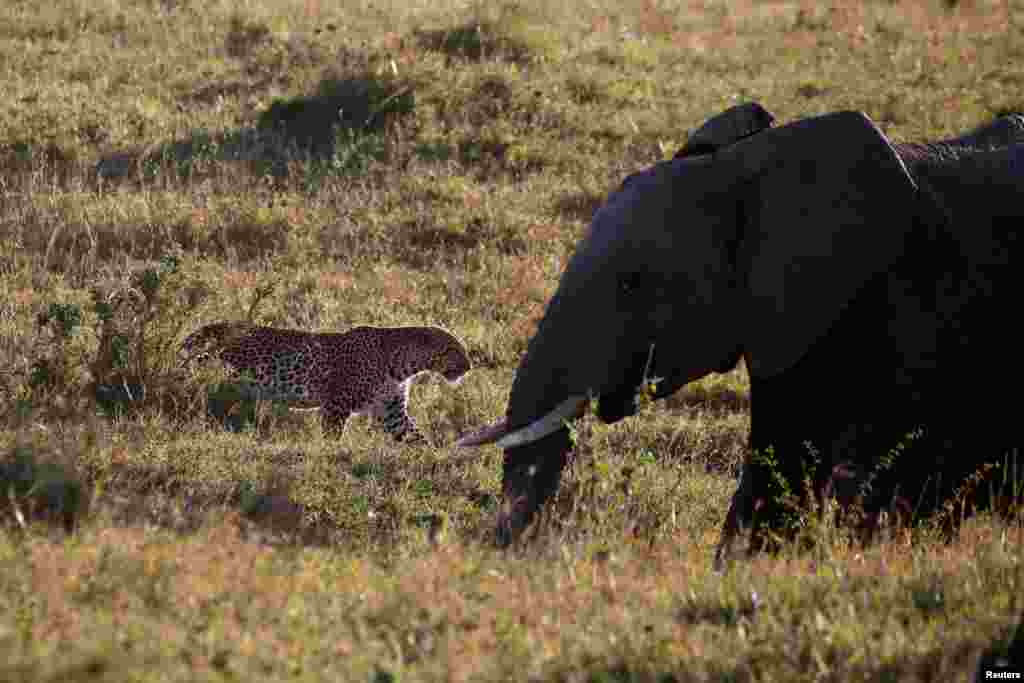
(450, 359)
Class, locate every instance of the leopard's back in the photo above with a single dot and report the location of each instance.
(276, 364)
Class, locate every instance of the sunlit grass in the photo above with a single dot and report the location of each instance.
(417, 164)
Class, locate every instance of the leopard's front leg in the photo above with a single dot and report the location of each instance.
(391, 412)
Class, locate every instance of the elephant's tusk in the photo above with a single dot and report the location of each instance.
(568, 409)
(484, 436)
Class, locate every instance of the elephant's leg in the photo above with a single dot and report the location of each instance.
(793, 446)
(738, 520)
(760, 506)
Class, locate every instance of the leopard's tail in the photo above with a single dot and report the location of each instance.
(208, 341)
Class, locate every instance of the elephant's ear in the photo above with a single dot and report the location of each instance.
(722, 130)
(827, 203)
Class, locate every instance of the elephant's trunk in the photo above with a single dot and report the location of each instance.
(533, 434)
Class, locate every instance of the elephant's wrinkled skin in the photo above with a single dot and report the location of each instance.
(871, 289)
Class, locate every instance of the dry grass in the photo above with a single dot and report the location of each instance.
(425, 163)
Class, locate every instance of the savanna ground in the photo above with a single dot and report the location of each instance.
(167, 163)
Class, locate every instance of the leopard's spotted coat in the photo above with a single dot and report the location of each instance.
(364, 370)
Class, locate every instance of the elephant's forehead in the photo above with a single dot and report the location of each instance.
(642, 195)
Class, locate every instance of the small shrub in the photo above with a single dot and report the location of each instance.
(57, 370)
(127, 362)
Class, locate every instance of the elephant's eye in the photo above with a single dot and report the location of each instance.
(629, 284)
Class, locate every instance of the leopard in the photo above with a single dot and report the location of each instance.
(365, 370)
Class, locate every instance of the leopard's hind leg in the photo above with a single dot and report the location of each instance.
(333, 416)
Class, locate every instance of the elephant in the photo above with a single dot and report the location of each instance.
(867, 285)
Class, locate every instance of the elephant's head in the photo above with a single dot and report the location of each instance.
(751, 250)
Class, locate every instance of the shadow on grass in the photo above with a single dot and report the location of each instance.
(42, 489)
(24, 158)
(164, 497)
(421, 244)
(340, 128)
(364, 104)
(509, 32)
